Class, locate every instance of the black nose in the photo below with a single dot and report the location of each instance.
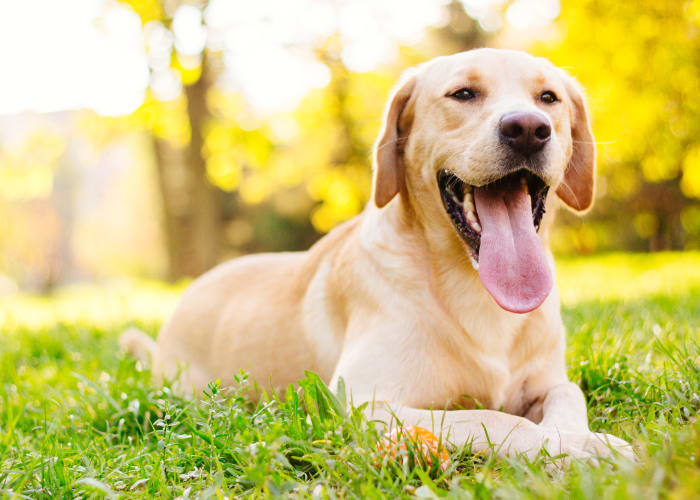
(525, 132)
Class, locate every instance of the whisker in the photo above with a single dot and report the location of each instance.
(452, 182)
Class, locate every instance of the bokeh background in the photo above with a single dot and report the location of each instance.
(155, 138)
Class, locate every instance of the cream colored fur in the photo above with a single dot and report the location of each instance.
(390, 302)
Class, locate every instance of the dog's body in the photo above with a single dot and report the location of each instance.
(390, 301)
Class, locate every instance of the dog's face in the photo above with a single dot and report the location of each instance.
(481, 136)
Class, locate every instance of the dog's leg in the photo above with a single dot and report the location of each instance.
(485, 430)
(564, 407)
(503, 433)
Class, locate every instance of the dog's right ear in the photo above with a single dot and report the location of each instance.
(388, 151)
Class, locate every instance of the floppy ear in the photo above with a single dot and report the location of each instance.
(576, 189)
(388, 161)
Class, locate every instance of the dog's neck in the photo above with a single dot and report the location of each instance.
(415, 247)
(422, 247)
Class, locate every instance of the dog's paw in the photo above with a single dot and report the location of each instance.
(587, 446)
(608, 446)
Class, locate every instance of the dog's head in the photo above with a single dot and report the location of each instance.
(475, 141)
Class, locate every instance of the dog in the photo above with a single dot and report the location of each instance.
(437, 303)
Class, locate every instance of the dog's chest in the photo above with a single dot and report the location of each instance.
(489, 382)
(488, 372)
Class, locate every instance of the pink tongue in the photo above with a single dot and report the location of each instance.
(512, 263)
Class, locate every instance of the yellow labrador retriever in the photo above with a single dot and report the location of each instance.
(441, 294)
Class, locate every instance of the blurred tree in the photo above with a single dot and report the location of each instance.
(37, 185)
(332, 152)
(191, 204)
(192, 209)
(213, 172)
(232, 182)
(640, 63)
(460, 32)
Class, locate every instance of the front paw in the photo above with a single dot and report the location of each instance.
(588, 446)
(607, 445)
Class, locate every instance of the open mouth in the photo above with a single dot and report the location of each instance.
(458, 200)
(499, 223)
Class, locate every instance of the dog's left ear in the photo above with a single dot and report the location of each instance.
(388, 160)
(577, 187)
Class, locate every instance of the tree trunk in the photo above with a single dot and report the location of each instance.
(207, 220)
(192, 212)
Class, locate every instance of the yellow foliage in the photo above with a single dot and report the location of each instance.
(690, 218)
(166, 120)
(646, 224)
(331, 150)
(340, 197)
(323, 218)
(189, 68)
(287, 171)
(636, 60)
(226, 105)
(147, 10)
(657, 168)
(223, 172)
(324, 146)
(627, 66)
(25, 183)
(26, 172)
(623, 182)
(638, 63)
(255, 188)
(217, 139)
(257, 149)
(690, 183)
(582, 237)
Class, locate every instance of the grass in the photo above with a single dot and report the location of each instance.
(80, 419)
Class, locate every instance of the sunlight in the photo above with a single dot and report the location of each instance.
(77, 53)
(91, 53)
(530, 14)
(270, 40)
(520, 14)
(190, 35)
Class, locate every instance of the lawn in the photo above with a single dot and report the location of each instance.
(80, 419)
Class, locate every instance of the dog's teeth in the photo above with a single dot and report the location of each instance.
(472, 219)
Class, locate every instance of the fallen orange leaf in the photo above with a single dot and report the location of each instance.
(414, 442)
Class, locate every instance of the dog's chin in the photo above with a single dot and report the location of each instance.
(459, 203)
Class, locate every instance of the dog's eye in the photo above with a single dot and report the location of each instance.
(548, 97)
(463, 94)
